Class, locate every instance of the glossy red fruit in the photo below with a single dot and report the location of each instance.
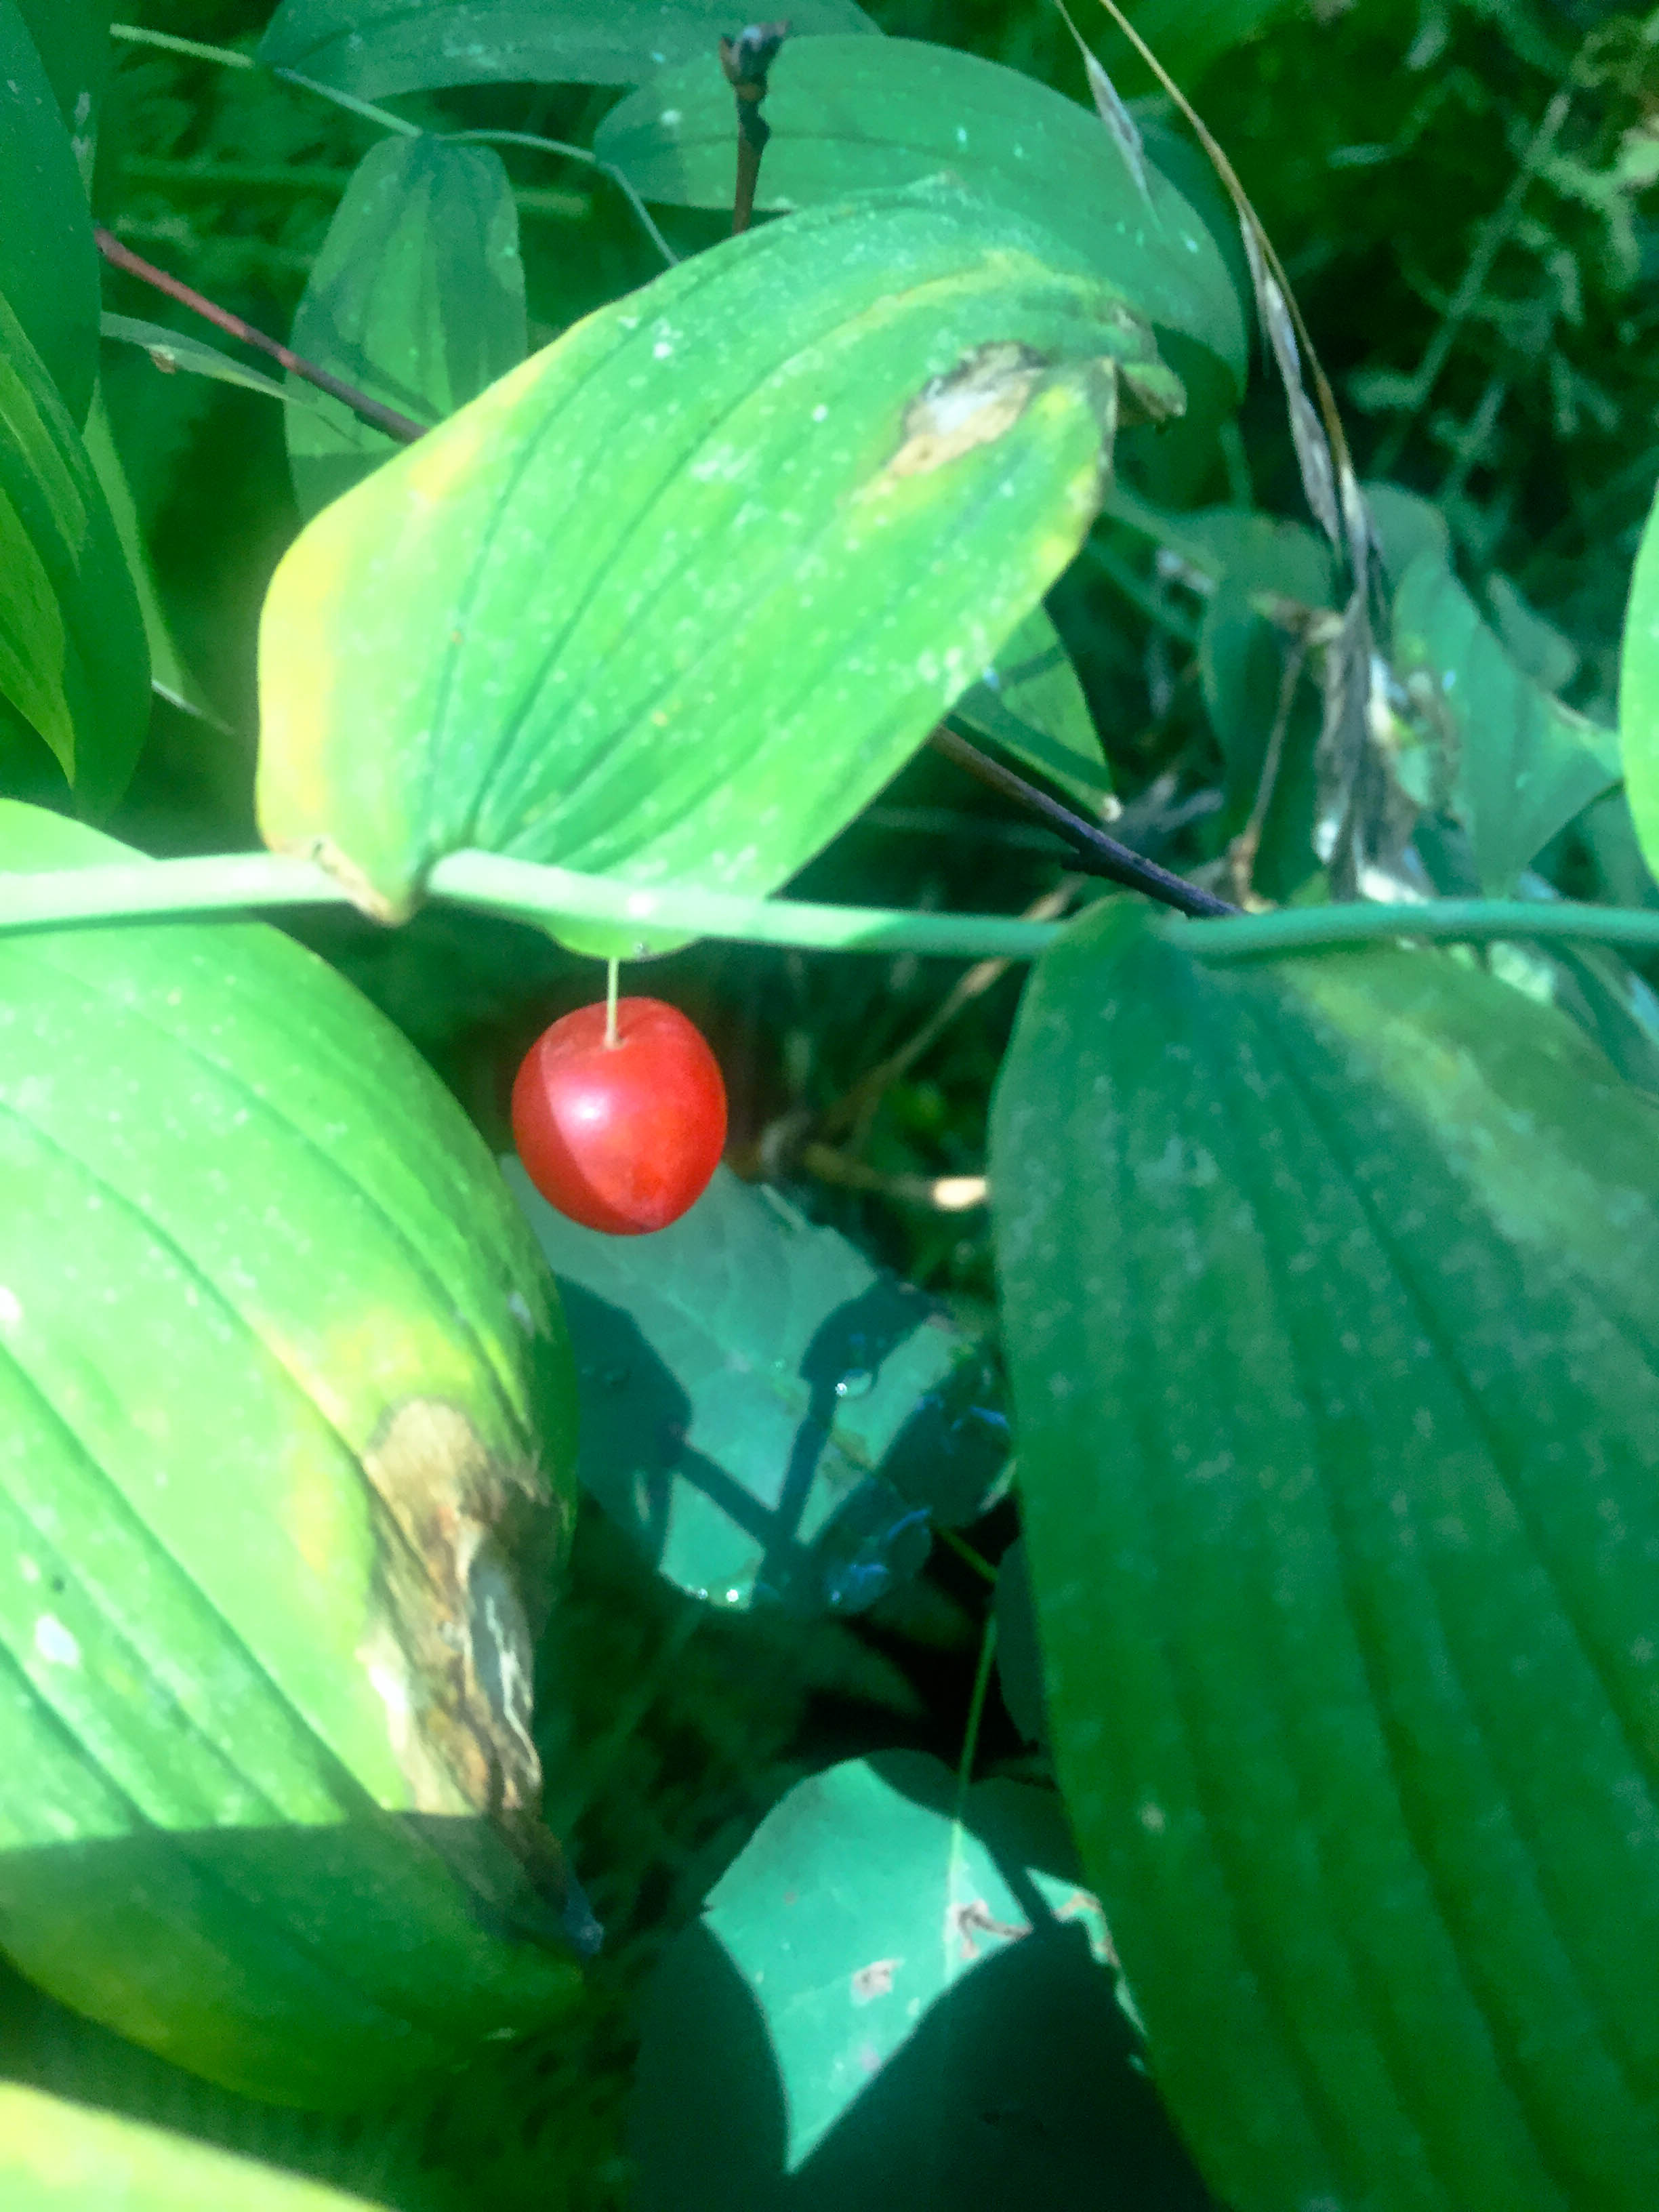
(622, 1137)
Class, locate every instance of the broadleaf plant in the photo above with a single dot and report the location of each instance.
(245, 1816)
(915, 1983)
(1520, 765)
(74, 664)
(1337, 1467)
(416, 298)
(387, 47)
(847, 115)
(771, 1419)
(843, 404)
(1638, 693)
(1084, 1615)
(60, 2157)
(48, 265)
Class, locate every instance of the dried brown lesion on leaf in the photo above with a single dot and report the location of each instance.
(977, 401)
(873, 1981)
(464, 1537)
(990, 388)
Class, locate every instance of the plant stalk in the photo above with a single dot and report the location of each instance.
(401, 427)
(1097, 855)
(520, 891)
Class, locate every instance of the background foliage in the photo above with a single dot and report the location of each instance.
(1461, 190)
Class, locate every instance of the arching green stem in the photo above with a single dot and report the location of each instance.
(546, 896)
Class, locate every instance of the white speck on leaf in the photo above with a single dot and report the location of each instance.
(54, 1643)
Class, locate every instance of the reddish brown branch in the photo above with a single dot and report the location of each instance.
(401, 427)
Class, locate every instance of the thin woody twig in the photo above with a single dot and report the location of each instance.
(939, 1193)
(746, 61)
(1097, 854)
(1242, 852)
(401, 427)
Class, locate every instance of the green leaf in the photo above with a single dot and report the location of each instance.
(673, 601)
(1031, 706)
(286, 1442)
(71, 38)
(1260, 552)
(48, 262)
(849, 116)
(168, 674)
(1608, 1000)
(1638, 692)
(881, 2008)
(45, 2047)
(378, 48)
(767, 1416)
(58, 2157)
(416, 298)
(1536, 647)
(73, 661)
(1242, 660)
(1330, 1292)
(172, 351)
(1524, 763)
(1189, 40)
(1019, 1655)
(1405, 525)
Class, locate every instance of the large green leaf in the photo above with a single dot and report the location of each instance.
(769, 1418)
(73, 659)
(884, 2008)
(848, 115)
(416, 298)
(58, 2157)
(1030, 705)
(377, 48)
(1638, 692)
(1523, 764)
(285, 1447)
(674, 600)
(1331, 1296)
(48, 262)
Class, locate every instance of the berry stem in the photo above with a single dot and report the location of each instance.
(612, 971)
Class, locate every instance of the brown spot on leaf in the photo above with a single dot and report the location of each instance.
(977, 401)
(875, 1980)
(968, 1922)
(450, 1648)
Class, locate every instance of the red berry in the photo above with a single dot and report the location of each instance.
(622, 1137)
